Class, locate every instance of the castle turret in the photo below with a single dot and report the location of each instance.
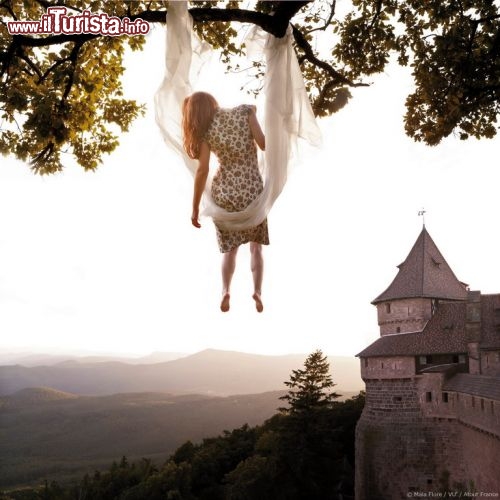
(423, 279)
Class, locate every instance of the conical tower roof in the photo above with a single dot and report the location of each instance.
(424, 273)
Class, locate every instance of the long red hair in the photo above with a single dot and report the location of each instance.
(198, 111)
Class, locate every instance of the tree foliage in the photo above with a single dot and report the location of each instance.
(294, 455)
(271, 462)
(62, 93)
(310, 387)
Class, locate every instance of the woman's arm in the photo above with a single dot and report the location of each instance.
(200, 179)
(257, 133)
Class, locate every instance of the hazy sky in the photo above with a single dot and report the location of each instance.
(109, 261)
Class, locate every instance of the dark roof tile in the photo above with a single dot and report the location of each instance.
(445, 333)
(424, 273)
(476, 385)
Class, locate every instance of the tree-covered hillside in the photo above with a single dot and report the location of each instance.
(288, 457)
(304, 451)
(46, 434)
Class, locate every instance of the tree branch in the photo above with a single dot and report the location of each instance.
(30, 63)
(486, 19)
(52, 68)
(309, 55)
(276, 24)
(8, 8)
(71, 77)
(495, 46)
(377, 13)
(282, 16)
(328, 21)
(6, 58)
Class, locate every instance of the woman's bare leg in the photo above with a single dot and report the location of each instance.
(228, 266)
(257, 266)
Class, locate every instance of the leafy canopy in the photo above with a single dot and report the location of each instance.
(63, 93)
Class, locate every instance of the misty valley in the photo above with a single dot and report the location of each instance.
(67, 427)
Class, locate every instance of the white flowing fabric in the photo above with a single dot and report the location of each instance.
(288, 112)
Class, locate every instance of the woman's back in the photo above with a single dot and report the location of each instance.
(230, 138)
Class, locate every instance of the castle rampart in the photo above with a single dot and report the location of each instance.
(387, 367)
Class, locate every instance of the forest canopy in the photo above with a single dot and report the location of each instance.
(62, 93)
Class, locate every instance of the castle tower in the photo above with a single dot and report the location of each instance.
(423, 279)
(431, 420)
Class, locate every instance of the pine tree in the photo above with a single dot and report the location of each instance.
(310, 388)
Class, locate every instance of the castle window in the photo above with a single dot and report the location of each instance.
(398, 330)
(445, 397)
(473, 401)
(429, 481)
(428, 397)
(482, 404)
(434, 306)
(397, 399)
(454, 359)
(388, 308)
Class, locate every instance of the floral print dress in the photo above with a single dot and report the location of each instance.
(237, 181)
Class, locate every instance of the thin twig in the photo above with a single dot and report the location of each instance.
(327, 22)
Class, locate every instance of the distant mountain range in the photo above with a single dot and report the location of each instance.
(38, 359)
(209, 372)
(50, 434)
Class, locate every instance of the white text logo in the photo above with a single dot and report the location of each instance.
(56, 22)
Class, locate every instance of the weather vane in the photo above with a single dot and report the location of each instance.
(422, 214)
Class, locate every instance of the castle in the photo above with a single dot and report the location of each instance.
(431, 421)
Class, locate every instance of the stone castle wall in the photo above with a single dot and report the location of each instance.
(479, 412)
(490, 363)
(396, 448)
(387, 367)
(407, 442)
(481, 452)
(403, 315)
(482, 414)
